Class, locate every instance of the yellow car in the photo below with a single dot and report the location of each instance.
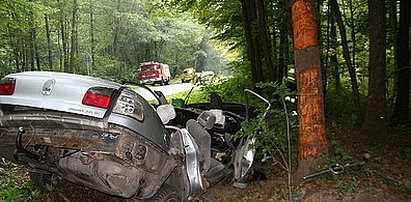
(188, 75)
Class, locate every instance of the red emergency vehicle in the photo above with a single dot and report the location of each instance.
(154, 72)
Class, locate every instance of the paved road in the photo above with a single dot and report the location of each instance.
(166, 90)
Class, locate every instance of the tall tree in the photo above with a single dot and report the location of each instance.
(402, 70)
(284, 11)
(346, 54)
(117, 30)
(375, 124)
(333, 57)
(64, 64)
(248, 31)
(73, 46)
(50, 58)
(265, 41)
(92, 32)
(312, 140)
(256, 39)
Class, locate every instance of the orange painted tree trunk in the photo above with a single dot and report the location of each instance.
(312, 140)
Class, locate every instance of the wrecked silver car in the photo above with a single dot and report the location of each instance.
(107, 137)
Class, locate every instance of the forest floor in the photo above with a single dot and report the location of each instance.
(385, 176)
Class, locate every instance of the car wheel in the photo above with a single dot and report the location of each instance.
(166, 194)
(40, 179)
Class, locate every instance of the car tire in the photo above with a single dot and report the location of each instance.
(40, 179)
(166, 194)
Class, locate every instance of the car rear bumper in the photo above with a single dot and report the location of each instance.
(149, 81)
(103, 156)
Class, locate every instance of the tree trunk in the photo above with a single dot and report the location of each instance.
(257, 48)
(92, 33)
(333, 57)
(36, 51)
(60, 51)
(31, 50)
(282, 69)
(50, 58)
(402, 70)
(25, 57)
(248, 36)
(73, 37)
(346, 54)
(312, 140)
(374, 125)
(265, 41)
(64, 55)
(353, 38)
(116, 30)
(15, 47)
(326, 66)
(283, 53)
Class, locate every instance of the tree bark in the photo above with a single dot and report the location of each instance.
(256, 47)
(353, 38)
(374, 125)
(333, 57)
(248, 36)
(283, 53)
(346, 54)
(327, 53)
(265, 41)
(312, 140)
(402, 70)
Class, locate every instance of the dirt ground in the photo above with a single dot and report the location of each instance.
(384, 177)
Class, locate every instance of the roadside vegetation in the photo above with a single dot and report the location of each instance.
(366, 95)
(15, 184)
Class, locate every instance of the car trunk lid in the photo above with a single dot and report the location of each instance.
(61, 92)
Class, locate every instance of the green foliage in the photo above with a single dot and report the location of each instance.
(274, 132)
(338, 104)
(10, 190)
(231, 88)
(406, 185)
(337, 155)
(113, 70)
(122, 35)
(347, 187)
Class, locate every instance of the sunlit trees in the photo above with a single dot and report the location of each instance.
(117, 35)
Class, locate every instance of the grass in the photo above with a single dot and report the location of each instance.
(196, 96)
(15, 185)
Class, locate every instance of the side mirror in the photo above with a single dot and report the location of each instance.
(166, 113)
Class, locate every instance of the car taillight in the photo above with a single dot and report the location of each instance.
(129, 105)
(7, 86)
(98, 97)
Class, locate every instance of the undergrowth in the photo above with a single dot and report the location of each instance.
(10, 190)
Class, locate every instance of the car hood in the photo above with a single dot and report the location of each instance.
(66, 93)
